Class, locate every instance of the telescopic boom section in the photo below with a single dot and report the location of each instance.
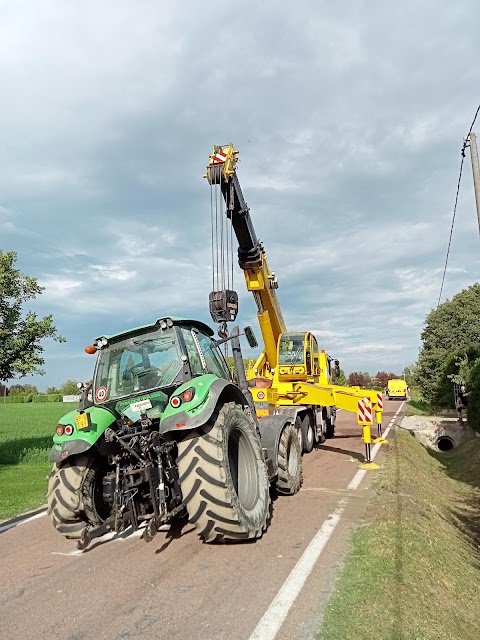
(221, 172)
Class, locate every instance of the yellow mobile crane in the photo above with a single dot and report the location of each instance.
(292, 375)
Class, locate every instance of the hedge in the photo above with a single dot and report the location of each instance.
(51, 397)
(17, 399)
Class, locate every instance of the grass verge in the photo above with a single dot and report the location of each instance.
(413, 571)
(26, 432)
(417, 406)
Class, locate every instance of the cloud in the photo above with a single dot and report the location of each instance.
(349, 125)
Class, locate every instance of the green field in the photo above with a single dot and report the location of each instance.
(26, 432)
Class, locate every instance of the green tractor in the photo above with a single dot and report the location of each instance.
(163, 431)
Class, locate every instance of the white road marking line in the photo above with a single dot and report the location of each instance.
(272, 620)
(20, 522)
(35, 517)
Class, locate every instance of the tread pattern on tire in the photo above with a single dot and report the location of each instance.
(207, 487)
(306, 425)
(64, 495)
(287, 483)
(329, 426)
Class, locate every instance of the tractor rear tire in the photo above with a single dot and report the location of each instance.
(70, 496)
(223, 477)
(308, 433)
(290, 471)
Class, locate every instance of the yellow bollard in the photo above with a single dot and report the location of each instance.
(378, 419)
(367, 438)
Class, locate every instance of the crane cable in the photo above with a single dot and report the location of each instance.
(221, 239)
(456, 202)
(221, 243)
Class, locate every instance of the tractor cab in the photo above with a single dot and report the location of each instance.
(150, 362)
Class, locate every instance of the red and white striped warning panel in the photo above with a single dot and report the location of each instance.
(380, 400)
(364, 411)
(219, 157)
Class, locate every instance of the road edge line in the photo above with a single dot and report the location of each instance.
(23, 518)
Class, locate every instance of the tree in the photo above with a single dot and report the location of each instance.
(51, 390)
(411, 374)
(231, 364)
(68, 388)
(451, 328)
(23, 390)
(20, 333)
(341, 379)
(383, 377)
(356, 379)
(367, 380)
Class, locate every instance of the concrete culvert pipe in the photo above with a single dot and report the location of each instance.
(445, 443)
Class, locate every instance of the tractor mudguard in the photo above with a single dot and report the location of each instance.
(81, 439)
(271, 428)
(197, 412)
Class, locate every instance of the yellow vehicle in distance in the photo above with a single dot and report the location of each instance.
(397, 388)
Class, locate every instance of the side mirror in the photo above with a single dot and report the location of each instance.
(337, 367)
(252, 341)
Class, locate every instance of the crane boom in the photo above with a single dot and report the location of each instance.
(291, 376)
(252, 258)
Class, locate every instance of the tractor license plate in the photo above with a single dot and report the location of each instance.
(82, 420)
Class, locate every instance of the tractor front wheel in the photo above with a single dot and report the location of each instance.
(74, 496)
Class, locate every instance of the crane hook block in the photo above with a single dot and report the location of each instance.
(223, 305)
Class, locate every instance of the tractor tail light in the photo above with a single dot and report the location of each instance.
(175, 401)
(188, 394)
(59, 430)
(68, 430)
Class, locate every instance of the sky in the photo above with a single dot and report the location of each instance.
(349, 118)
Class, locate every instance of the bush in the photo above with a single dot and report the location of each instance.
(473, 411)
(50, 397)
(456, 369)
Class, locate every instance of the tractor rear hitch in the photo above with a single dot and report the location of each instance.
(89, 534)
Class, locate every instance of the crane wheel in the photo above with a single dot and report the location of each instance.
(308, 433)
(290, 471)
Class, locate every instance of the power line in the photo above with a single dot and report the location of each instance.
(456, 202)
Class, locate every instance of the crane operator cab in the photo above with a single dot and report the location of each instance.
(299, 357)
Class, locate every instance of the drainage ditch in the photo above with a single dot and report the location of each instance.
(444, 443)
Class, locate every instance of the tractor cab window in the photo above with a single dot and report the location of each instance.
(290, 350)
(142, 363)
(213, 358)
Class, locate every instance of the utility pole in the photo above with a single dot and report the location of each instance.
(476, 172)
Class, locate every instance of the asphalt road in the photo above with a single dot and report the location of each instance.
(178, 588)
